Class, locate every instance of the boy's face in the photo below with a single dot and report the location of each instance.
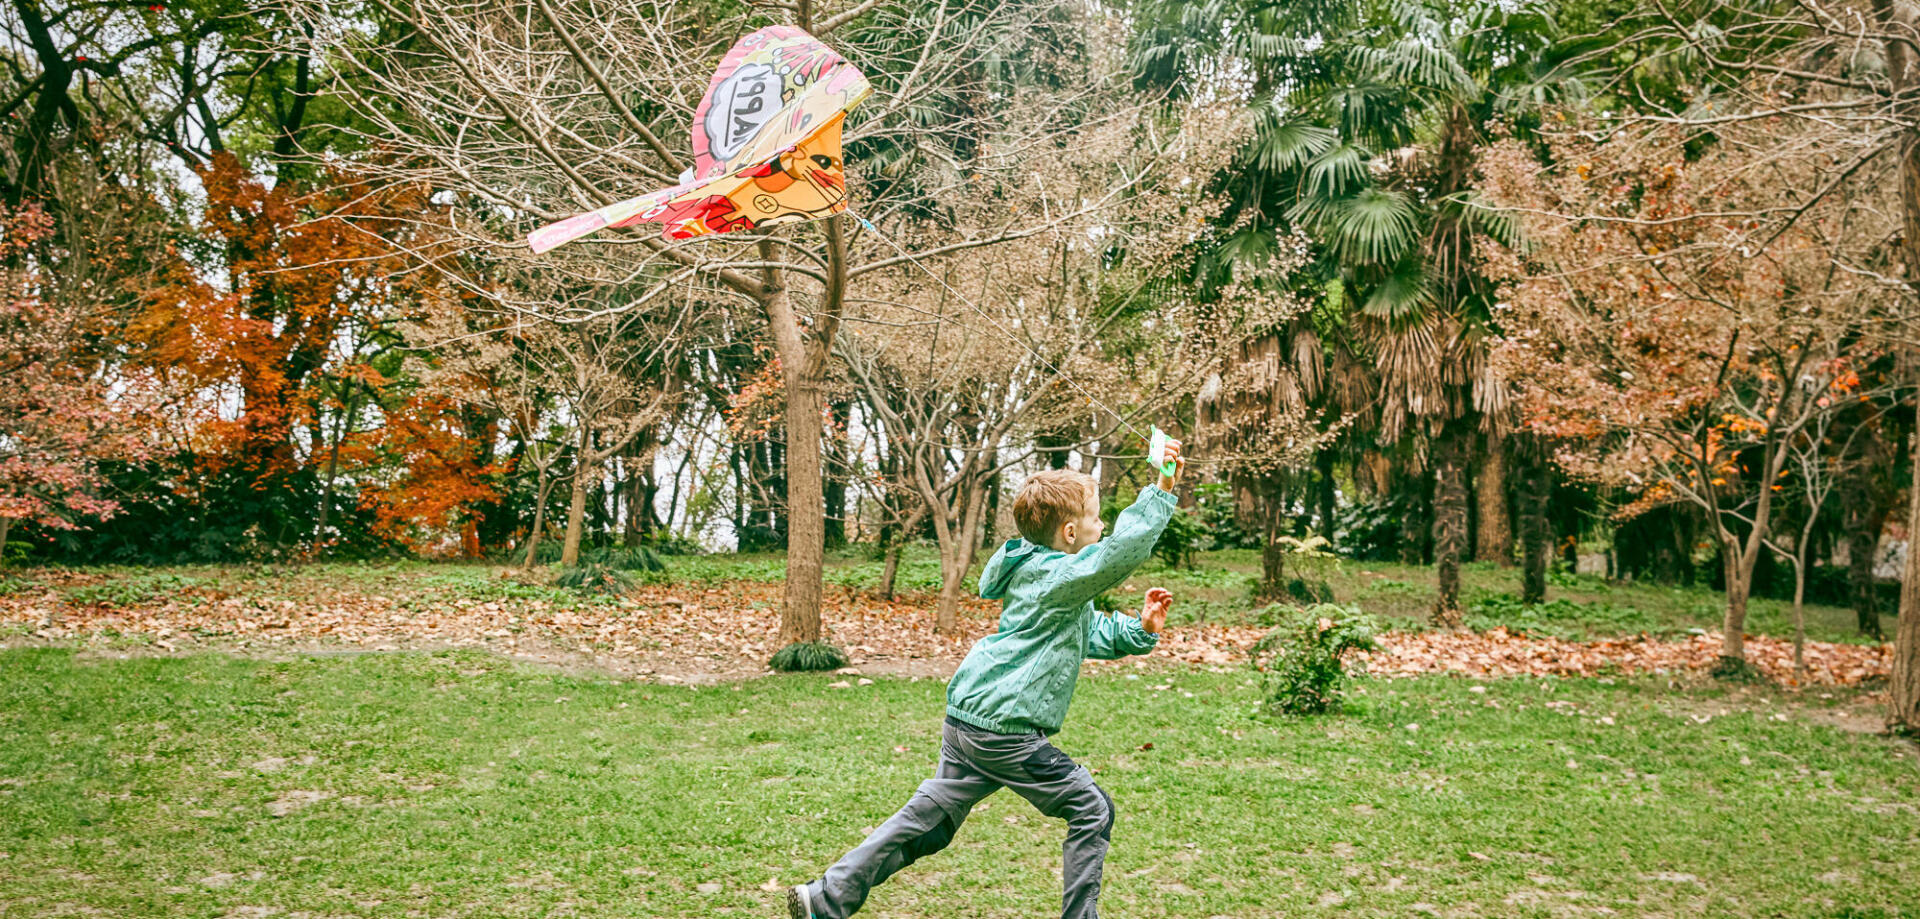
(1085, 530)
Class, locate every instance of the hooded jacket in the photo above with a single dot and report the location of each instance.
(1021, 678)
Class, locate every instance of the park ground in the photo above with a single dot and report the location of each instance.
(415, 739)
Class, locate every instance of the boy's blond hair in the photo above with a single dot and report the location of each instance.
(1048, 500)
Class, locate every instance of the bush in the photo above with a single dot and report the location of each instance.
(667, 543)
(1304, 657)
(1184, 536)
(1309, 592)
(1370, 530)
(802, 656)
(1214, 505)
(625, 558)
(595, 578)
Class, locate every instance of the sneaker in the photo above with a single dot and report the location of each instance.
(799, 904)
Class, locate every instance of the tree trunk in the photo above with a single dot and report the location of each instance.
(1733, 643)
(954, 562)
(806, 508)
(957, 547)
(1323, 464)
(636, 498)
(804, 360)
(1449, 525)
(1800, 613)
(576, 512)
(1273, 555)
(1904, 686)
(1413, 526)
(806, 498)
(888, 572)
(6, 523)
(1494, 540)
(539, 517)
(333, 469)
(1864, 520)
(1536, 533)
(839, 467)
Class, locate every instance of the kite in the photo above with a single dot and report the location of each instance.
(766, 146)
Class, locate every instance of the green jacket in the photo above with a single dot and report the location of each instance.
(1021, 677)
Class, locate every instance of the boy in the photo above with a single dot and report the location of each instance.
(1013, 688)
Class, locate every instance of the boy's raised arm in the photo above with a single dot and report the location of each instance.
(1099, 567)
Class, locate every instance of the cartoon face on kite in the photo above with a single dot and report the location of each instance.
(796, 186)
(766, 145)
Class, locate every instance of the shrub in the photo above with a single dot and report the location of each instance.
(1309, 592)
(625, 558)
(667, 543)
(1305, 657)
(593, 577)
(1213, 503)
(802, 656)
(1562, 618)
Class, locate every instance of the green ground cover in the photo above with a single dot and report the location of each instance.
(463, 784)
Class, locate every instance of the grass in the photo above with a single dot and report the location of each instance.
(462, 784)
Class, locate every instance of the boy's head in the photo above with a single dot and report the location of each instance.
(1060, 509)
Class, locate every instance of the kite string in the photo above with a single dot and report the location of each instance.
(995, 323)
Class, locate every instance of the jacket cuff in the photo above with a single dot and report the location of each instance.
(1137, 635)
(1154, 493)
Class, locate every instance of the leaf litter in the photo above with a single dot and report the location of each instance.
(728, 630)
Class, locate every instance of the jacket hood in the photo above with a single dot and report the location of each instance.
(998, 573)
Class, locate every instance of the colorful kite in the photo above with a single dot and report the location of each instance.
(766, 146)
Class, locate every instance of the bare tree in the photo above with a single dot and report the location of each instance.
(1816, 466)
(530, 111)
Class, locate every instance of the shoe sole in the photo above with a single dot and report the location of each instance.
(797, 905)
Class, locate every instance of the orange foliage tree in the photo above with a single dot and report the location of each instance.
(290, 283)
(1674, 335)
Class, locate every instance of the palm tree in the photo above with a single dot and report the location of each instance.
(1370, 118)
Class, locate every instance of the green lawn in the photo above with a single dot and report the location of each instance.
(467, 785)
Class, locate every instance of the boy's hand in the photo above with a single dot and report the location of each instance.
(1153, 613)
(1179, 465)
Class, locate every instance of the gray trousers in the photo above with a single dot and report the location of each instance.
(975, 763)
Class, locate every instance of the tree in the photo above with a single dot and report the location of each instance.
(1841, 76)
(514, 110)
(953, 370)
(1814, 469)
(600, 381)
(1678, 346)
(59, 418)
(1372, 118)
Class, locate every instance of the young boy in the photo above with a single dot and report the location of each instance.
(1012, 691)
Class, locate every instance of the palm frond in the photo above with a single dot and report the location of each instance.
(1404, 295)
(1414, 60)
(1292, 145)
(1339, 170)
(1481, 216)
(1375, 225)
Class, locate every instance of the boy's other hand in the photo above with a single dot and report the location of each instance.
(1179, 465)
(1153, 613)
